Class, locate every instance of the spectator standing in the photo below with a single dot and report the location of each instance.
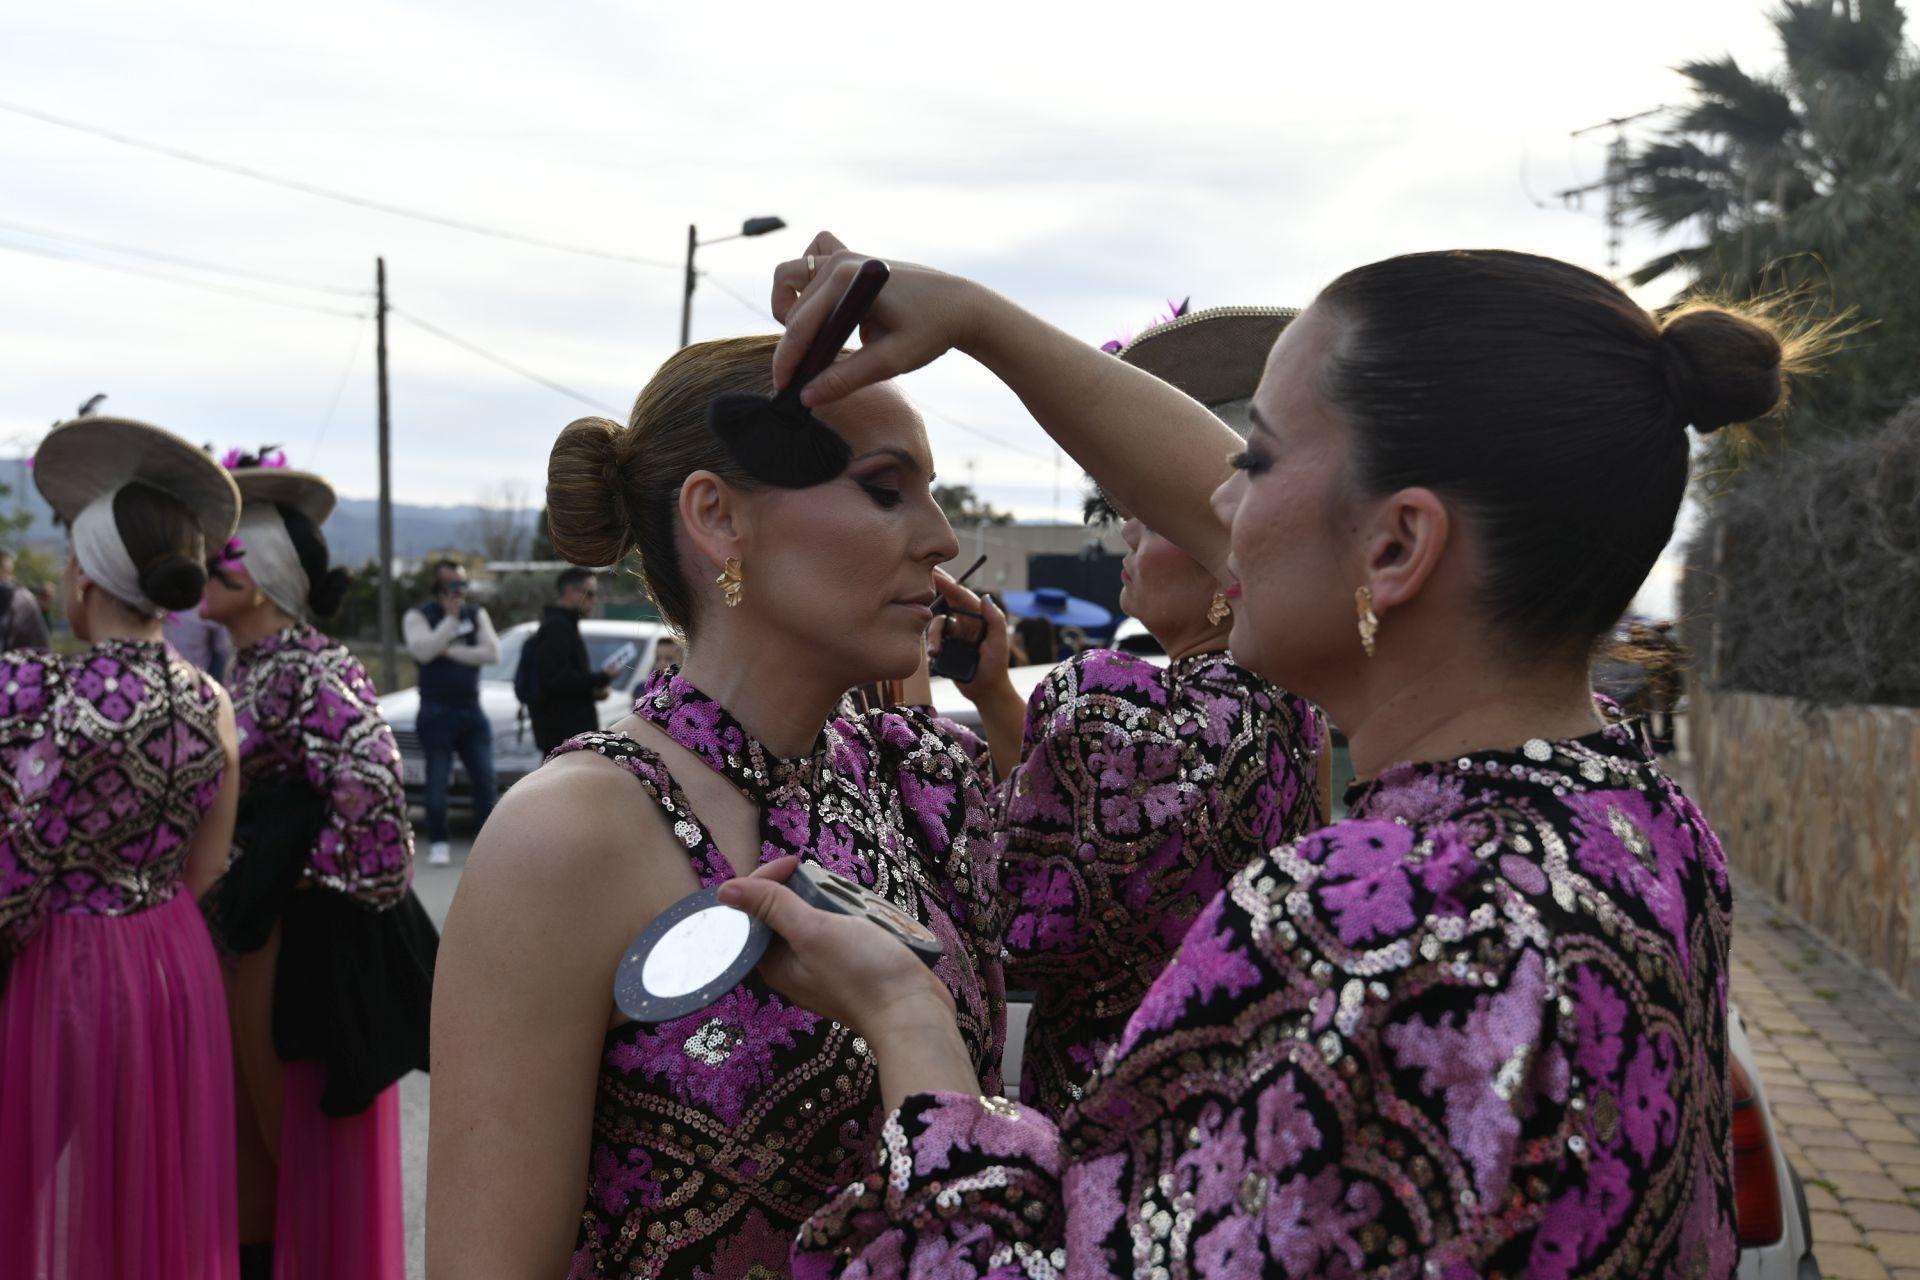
(452, 639)
(22, 625)
(566, 684)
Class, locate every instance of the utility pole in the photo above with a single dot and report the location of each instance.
(389, 661)
(1617, 182)
(686, 296)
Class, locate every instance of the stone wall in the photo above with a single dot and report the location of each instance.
(1820, 805)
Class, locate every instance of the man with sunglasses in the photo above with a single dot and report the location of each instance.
(566, 684)
(452, 639)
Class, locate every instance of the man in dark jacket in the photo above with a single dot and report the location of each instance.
(565, 681)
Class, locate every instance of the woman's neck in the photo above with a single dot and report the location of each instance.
(1461, 705)
(257, 624)
(781, 709)
(125, 626)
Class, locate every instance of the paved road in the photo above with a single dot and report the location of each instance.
(435, 885)
(1840, 1053)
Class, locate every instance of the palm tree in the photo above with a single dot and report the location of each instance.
(1805, 178)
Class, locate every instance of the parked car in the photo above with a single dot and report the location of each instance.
(514, 755)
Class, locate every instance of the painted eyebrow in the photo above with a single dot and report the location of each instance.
(890, 451)
(1259, 421)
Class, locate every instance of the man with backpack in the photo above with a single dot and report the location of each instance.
(22, 625)
(556, 680)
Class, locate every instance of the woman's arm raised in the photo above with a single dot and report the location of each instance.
(1157, 452)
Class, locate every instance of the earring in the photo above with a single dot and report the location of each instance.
(729, 582)
(1219, 611)
(1369, 624)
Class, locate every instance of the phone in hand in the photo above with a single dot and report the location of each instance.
(959, 659)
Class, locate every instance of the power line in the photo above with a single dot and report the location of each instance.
(325, 193)
(505, 363)
(758, 310)
(353, 358)
(975, 431)
(125, 269)
(196, 263)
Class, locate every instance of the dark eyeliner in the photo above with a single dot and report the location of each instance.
(1248, 461)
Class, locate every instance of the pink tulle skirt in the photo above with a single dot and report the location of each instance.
(116, 1102)
(338, 1215)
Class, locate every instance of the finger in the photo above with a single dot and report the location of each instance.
(770, 902)
(936, 633)
(809, 311)
(825, 244)
(780, 870)
(960, 597)
(876, 362)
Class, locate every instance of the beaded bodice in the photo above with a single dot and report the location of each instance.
(108, 762)
(716, 1134)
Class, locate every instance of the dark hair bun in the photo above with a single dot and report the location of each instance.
(328, 591)
(586, 515)
(1721, 368)
(173, 581)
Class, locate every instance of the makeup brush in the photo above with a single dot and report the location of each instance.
(776, 439)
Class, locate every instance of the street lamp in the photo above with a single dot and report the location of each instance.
(751, 227)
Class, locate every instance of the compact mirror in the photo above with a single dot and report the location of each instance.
(831, 891)
(693, 953)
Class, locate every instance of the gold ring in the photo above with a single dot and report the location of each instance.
(811, 268)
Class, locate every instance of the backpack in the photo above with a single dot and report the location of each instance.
(526, 672)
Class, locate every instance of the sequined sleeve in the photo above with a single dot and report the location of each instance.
(311, 704)
(30, 685)
(1313, 1086)
(1140, 792)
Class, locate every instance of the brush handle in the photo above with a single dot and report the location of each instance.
(847, 315)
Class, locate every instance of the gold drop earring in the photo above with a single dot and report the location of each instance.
(730, 584)
(1369, 623)
(1219, 611)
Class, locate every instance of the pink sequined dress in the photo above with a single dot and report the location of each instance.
(116, 1093)
(324, 854)
(1478, 1028)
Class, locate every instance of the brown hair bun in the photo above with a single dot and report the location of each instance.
(1722, 368)
(173, 581)
(586, 514)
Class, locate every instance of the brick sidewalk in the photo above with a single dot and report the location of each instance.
(1839, 1051)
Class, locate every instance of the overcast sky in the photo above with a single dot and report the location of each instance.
(1091, 160)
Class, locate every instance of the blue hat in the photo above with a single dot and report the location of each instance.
(1055, 604)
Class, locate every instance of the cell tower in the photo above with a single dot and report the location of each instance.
(1616, 181)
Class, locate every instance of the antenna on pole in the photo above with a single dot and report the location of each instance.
(1617, 182)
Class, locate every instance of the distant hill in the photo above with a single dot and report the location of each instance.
(352, 533)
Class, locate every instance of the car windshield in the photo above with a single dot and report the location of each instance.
(600, 650)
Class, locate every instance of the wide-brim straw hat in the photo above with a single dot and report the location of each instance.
(1216, 355)
(302, 490)
(86, 459)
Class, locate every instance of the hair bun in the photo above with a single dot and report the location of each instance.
(324, 597)
(173, 581)
(587, 517)
(1721, 367)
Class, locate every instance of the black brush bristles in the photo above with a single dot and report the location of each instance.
(775, 439)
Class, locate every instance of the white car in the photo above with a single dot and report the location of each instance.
(514, 755)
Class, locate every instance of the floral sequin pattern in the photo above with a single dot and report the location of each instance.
(306, 711)
(108, 762)
(1140, 793)
(1479, 1028)
(716, 1134)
